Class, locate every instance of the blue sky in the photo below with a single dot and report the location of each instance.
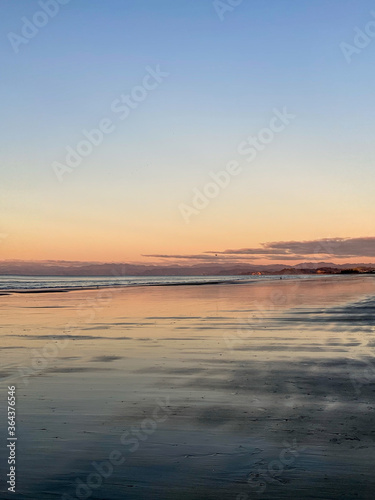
(225, 78)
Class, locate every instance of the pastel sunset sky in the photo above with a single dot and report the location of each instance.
(202, 80)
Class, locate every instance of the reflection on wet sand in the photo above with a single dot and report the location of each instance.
(262, 390)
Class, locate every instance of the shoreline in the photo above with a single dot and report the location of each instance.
(271, 278)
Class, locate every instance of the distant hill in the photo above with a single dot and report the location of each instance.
(68, 268)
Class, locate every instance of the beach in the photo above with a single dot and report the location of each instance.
(222, 391)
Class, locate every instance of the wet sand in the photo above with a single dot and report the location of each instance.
(261, 390)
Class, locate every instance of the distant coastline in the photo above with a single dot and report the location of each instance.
(115, 269)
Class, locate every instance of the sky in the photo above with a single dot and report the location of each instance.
(153, 131)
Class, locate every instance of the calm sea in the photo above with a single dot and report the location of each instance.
(76, 282)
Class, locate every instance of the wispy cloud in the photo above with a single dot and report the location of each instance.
(333, 248)
(210, 256)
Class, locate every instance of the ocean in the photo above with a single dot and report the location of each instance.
(35, 283)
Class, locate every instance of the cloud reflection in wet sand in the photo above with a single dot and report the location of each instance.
(304, 372)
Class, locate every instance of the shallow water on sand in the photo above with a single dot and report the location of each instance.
(50, 283)
(262, 390)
